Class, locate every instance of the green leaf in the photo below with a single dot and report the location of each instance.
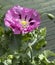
(43, 31)
(7, 62)
(48, 53)
(41, 56)
(10, 56)
(1, 30)
(51, 64)
(40, 44)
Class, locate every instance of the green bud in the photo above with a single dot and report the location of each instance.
(51, 16)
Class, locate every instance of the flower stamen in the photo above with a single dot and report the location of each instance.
(24, 23)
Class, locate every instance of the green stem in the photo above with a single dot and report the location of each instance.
(31, 55)
(31, 51)
(26, 49)
(50, 16)
(44, 14)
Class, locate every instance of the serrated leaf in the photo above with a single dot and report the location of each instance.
(43, 31)
(48, 53)
(40, 44)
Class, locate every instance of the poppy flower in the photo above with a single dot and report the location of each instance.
(22, 20)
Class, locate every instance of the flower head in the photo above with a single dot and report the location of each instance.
(22, 20)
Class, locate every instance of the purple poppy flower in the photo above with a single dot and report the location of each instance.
(22, 20)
